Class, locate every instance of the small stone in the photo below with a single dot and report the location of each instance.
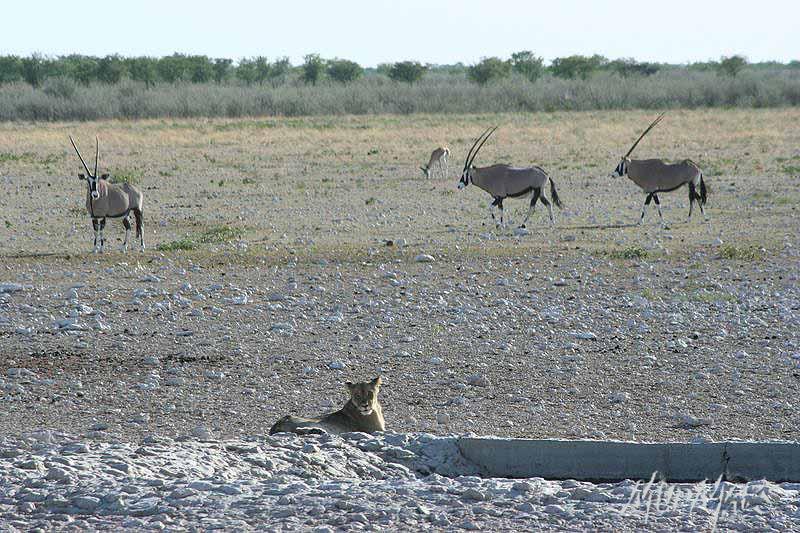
(424, 258)
(479, 380)
(336, 365)
(202, 433)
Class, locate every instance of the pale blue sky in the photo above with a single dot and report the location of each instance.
(377, 31)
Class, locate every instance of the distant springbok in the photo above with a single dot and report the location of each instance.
(654, 176)
(438, 158)
(504, 181)
(107, 200)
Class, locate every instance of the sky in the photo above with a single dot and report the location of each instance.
(384, 31)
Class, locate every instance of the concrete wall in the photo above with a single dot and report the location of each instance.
(612, 460)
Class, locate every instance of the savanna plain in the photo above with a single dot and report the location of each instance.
(287, 255)
(278, 248)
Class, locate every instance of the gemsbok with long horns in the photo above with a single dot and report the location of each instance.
(504, 181)
(110, 200)
(654, 176)
(438, 158)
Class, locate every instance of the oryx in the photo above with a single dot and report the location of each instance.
(107, 200)
(438, 158)
(654, 176)
(505, 181)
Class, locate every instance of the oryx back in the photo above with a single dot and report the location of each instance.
(506, 181)
(654, 175)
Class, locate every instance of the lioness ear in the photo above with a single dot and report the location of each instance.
(81, 176)
(377, 381)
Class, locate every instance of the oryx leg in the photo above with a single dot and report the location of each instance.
(96, 227)
(491, 209)
(502, 212)
(546, 202)
(445, 165)
(127, 223)
(534, 197)
(646, 203)
(102, 238)
(658, 205)
(692, 194)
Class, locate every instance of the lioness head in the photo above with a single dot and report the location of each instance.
(364, 395)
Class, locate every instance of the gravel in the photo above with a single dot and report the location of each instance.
(395, 481)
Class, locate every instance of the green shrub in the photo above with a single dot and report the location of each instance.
(489, 69)
(405, 71)
(344, 71)
(527, 64)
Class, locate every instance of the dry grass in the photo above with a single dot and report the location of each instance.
(350, 180)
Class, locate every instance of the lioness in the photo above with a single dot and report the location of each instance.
(362, 412)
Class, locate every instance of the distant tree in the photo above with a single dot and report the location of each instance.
(407, 71)
(246, 71)
(279, 70)
(384, 68)
(222, 68)
(33, 70)
(527, 64)
(626, 67)
(143, 69)
(313, 68)
(10, 69)
(344, 71)
(489, 69)
(110, 69)
(794, 64)
(82, 69)
(199, 69)
(172, 68)
(572, 67)
(731, 66)
(262, 68)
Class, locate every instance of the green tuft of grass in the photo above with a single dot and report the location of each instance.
(215, 235)
(371, 200)
(124, 175)
(792, 170)
(220, 234)
(631, 252)
(740, 253)
(180, 244)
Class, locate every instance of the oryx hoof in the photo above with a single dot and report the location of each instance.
(521, 226)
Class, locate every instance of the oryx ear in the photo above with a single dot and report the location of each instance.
(104, 176)
(349, 385)
(377, 381)
(81, 176)
(422, 169)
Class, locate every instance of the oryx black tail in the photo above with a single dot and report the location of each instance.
(554, 194)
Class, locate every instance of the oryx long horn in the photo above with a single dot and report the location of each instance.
(79, 155)
(467, 160)
(478, 149)
(650, 127)
(96, 154)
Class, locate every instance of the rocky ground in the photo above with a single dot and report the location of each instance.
(326, 483)
(289, 255)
